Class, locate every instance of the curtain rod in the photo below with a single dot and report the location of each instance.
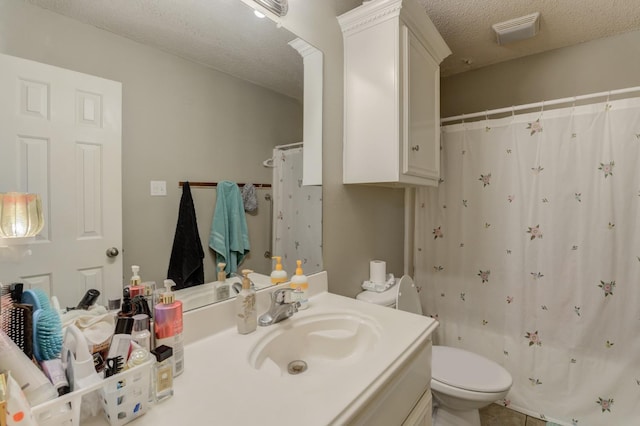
(289, 146)
(215, 184)
(542, 104)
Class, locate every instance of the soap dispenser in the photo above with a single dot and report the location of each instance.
(135, 284)
(246, 315)
(222, 288)
(278, 275)
(299, 284)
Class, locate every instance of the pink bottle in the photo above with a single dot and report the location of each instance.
(167, 315)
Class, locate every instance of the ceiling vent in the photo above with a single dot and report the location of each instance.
(517, 29)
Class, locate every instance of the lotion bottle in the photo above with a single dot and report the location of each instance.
(222, 288)
(168, 326)
(278, 275)
(246, 315)
(299, 284)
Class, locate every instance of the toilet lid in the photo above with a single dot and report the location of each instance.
(408, 298)
(467, 370)
(385, 298)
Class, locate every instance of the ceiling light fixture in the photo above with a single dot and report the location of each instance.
(259, 14)
(517, 29)
(278, 7)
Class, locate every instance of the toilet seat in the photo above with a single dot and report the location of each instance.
(468, 371)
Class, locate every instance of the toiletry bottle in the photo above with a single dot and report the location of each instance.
(222, 288)
(37, 387)
(89, 299)
(141, 334)
(300, 285)
(168, 326)
(138, 356)
(126, 308)
(246, 315)
(135, 284)
(150, 293)
(278, 275)
(162, 373)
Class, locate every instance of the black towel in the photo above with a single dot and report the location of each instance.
(185, 266)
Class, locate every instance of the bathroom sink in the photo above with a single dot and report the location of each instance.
(315, 343)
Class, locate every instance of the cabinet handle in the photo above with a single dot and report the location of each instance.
(415, 148)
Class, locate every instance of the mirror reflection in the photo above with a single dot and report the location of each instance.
(182, 120)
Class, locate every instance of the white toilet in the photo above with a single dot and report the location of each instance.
(462, 382)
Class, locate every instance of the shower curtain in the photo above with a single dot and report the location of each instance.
(528, 253)
(297, 221)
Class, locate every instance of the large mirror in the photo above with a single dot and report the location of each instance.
(210, 92)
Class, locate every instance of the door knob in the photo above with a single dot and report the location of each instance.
(415, 148)
(112, 252)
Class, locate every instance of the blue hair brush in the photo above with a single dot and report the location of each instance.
(47, 327)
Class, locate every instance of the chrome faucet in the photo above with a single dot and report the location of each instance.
(237, 286)
(281, 307)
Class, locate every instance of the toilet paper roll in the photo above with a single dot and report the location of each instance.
(377, 271)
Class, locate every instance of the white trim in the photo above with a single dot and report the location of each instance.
(542, 104)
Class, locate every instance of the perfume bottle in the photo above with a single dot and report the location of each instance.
(162, 373)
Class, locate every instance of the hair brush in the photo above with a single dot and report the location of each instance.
(47, 327)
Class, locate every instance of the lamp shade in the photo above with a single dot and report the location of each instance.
(21, 215)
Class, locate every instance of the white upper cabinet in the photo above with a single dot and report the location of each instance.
(392, 55)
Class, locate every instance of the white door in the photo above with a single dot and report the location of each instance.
(60, 137)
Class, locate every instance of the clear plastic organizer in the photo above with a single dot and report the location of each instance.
(124, 398)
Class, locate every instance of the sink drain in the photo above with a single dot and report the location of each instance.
(296, 367)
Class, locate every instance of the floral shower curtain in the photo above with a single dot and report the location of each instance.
(297, 224)
(528, 253)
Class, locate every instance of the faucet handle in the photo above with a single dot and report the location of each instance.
(281, 296)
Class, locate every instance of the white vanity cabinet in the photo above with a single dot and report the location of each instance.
(392, 55)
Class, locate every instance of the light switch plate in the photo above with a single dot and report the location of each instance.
(158, 188)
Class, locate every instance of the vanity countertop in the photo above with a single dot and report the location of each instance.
(220, 386)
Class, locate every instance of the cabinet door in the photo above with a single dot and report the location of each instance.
(421, 110)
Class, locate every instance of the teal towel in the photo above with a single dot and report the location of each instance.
(229, 236)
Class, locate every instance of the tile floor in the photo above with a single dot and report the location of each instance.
(498, 415)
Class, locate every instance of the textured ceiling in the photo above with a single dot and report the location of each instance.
(465, 26)
(224, 34)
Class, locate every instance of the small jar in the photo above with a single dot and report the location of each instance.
(162, 373)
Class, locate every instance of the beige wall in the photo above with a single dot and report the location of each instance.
(181, 121)
(360, 223)
(596, 66)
